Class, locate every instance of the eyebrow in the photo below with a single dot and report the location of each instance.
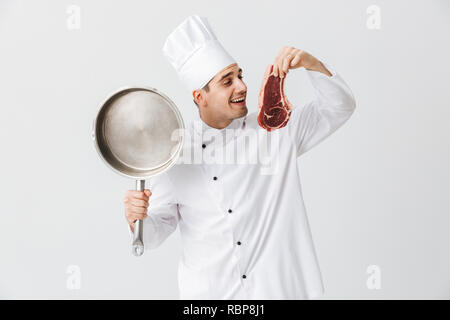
(227, 75)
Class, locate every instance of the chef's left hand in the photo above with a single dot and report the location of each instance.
(292, 58)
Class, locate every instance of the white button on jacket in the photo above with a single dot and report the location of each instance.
(243, 225)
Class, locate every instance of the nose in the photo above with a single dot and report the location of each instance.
(241, 87)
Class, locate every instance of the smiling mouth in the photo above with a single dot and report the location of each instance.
(240, 103)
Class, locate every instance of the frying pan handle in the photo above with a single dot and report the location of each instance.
(137, 246)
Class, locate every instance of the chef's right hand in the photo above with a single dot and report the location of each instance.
(136, 204)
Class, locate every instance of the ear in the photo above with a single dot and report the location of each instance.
(199, 97)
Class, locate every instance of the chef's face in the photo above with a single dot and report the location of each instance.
(226, 86)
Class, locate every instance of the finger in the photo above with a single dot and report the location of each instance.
(278, 66)
(139, 216)
(135, 194)
(139, 203)
(286, 54)
(275, 68)
(295, 60)
(136, 216)
(147, 192)
(281, 71)
(285, 65)
(130, 193)
(140, 195)
(137, 210)
(276, 63)
(132, 222)
(132, 217)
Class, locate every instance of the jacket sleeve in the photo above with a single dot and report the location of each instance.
(163, 214)
(319, 118)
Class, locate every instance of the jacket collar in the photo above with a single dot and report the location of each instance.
(200, 127)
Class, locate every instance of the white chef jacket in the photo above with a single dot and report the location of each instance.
(244, 232)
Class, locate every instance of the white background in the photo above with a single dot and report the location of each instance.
(376, 191)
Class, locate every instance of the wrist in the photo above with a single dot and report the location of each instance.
(315, 65)
(319, 67)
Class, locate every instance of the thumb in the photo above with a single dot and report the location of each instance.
(295, 60)
(147, 192)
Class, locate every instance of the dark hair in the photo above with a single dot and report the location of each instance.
(206, 88)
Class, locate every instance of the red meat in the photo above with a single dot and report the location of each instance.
(274, 108)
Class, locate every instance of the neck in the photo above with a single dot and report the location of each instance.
(214, 123)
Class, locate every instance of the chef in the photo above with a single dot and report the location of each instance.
(245, 233)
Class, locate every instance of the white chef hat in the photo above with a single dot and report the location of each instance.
(195, 53)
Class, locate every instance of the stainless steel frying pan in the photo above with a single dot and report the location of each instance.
(138, 134)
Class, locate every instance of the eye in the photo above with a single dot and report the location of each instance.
(229, 82)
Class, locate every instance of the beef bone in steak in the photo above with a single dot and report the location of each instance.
(274, 108)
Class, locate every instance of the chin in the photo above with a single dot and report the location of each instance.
(240, 111)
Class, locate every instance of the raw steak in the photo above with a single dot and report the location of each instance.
(274, 108)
